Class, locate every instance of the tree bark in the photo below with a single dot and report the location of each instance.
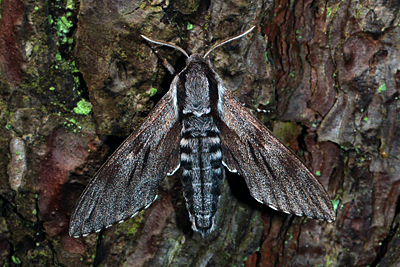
(76, 78)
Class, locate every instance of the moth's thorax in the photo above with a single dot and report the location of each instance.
(197, 99)
(197, 85)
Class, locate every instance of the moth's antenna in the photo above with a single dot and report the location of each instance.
(227, 41)
(166, 44)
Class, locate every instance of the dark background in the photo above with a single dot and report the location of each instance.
(76, 78)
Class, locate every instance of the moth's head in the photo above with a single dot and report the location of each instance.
(197, 56)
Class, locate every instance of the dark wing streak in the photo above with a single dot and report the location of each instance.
(246, 167)
(280, 180)
(108, 207)
(311, 198)
(299, 193)
(292, 206)
(228, 160)
(174, 160)
(285, 202)
(288, 184)
(313, 194)
(112, 190)
(265, 164)
(317, 200)
(107, 199)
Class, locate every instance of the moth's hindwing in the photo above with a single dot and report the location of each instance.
(274, 175)
(128, 181)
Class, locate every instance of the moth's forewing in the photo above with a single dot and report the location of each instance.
(128, 181)
(274, 175)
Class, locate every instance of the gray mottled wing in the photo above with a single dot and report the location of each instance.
(128, 181)
(274, 174)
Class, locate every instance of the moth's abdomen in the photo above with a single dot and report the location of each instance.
(202, 177)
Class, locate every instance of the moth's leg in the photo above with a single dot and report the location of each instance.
(164, 61)
(254, 108)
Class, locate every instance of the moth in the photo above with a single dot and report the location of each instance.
(201, 127)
